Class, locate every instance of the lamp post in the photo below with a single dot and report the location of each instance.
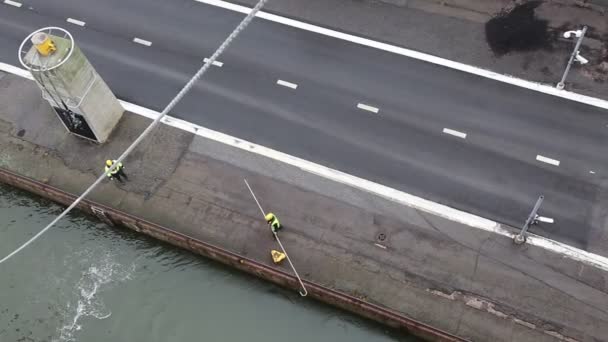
(580, 34)
(533, 219)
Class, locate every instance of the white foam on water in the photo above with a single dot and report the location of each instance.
(88, 303)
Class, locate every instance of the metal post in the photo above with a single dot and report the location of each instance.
(303, 292)
(521, 237)
(560, 85)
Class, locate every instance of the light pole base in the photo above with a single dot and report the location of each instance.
(560, 86)
(519, 239)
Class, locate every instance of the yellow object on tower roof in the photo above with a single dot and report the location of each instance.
(43, 43)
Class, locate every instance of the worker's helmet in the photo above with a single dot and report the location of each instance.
(109, 162)
(269, 217)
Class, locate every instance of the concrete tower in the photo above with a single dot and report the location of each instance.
(82, 100)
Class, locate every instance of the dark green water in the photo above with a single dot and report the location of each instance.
(85, 281)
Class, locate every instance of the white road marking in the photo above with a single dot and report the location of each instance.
(13, 3)
(377, 189)
(287, 84)
(592, 172)
(547, 160)
(543, 88)
(76, 22)
(16, 71)
(216, 63)
(455, 133)
(359, 183)
(546, 219)
(379, 245)
(367, 108)
(142, 41)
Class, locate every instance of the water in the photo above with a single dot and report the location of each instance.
(86, 281)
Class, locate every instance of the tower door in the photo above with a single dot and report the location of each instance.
(75, 123)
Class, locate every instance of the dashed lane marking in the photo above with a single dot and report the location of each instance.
(287, 84)
(455, 133)
(142, 41)
(592, 172)
(216, 63)
(380, 190)
(13, 3)
(76, 22)
(368, 108)
(547, 160)
(535, 86)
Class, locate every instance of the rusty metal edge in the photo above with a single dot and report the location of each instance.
(324, 294)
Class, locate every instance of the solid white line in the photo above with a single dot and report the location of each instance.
(16, 71)
(287, 84)
(368, 108)
(455, 133)
(13, 3)
(76, 22)
(359, 183)
(547, 160)
(376, 189)
(142, 41)
(543, 88)
(216, 63)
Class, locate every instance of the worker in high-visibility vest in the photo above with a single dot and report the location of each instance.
(117, 173)
(274, 223)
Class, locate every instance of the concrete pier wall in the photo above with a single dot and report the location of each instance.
(430, 272)
(115, 217)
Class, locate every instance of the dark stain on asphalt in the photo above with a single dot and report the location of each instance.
(518, 29)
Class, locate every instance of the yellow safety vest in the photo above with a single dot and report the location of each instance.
(115, 171)
(274, 223)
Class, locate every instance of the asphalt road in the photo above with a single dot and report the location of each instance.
(493, 172)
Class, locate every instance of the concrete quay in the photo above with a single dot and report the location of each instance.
(440, 280)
